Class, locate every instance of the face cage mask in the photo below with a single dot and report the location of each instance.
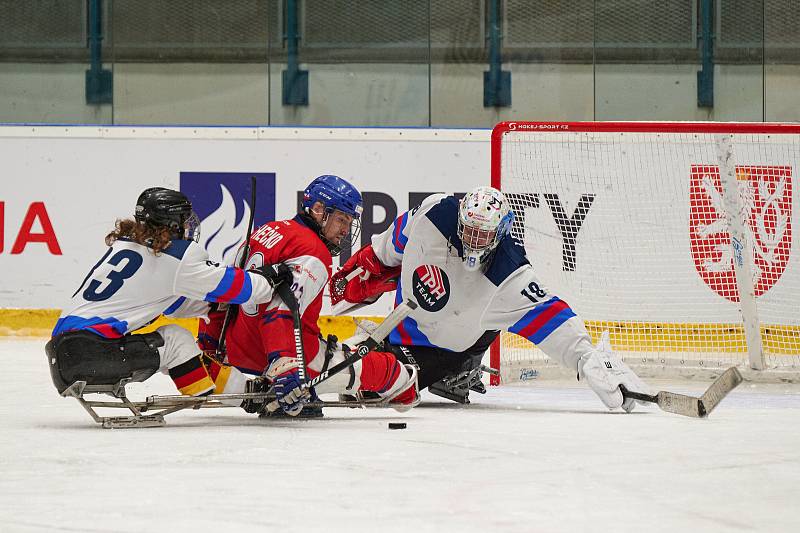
(478, 245)
(191, 228)
(347, 240)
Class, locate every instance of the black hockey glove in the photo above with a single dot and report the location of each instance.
(275, 274)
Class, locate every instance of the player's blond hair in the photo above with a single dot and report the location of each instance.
(157, 238)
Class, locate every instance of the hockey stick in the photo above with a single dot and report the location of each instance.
(286, 294)
(681, 404)
(367, 345)
(232, 308)
(178, 403)
(363, 348)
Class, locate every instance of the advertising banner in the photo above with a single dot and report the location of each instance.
(63, 188)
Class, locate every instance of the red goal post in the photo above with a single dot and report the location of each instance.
(676, 237)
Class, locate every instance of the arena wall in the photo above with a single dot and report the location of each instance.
(64, 187)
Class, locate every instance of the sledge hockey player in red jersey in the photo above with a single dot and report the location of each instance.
(471, 279)
(260, 339)
(153, 266)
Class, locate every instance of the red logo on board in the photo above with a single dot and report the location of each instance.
(766, 194)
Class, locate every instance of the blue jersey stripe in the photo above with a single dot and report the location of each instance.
(399, 239)
(398, 293)
(412, 328)
(175, 305)
(409, 324)
(531, 315)
(543, 332)
(74, 323)
(223, 286)
(245, 291)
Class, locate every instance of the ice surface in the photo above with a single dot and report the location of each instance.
(541, 457)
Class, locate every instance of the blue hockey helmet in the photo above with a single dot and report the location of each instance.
(335, 194)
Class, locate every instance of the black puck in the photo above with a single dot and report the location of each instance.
(397, 425)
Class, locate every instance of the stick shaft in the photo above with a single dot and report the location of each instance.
(362, 349)
(288, 297)
(233, 309)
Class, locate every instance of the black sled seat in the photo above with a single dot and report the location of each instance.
(83, 363)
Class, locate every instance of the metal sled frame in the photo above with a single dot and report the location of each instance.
(79, 388)
(165, 405)
(457, 388)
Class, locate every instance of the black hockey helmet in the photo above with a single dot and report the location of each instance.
(159, 206)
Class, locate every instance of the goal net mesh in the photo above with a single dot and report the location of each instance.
(630, 229)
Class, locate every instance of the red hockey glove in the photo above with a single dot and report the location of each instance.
(368, 278)
(208, 333)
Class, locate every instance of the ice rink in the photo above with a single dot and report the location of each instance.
(541, 457)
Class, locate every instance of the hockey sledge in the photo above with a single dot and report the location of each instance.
(142, 415)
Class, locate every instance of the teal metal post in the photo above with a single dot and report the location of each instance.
(496, 81)
(295, 81)
(705, 76)
(99, 82)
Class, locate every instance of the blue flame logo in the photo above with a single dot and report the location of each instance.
(222, 202)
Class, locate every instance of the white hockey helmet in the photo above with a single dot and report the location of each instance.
(484, 218)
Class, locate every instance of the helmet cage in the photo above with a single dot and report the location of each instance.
(348, 239)
(477, 239)
(191, 228)
(335, 194)
(484, 218)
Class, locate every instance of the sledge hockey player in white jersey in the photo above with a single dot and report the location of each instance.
(471, 279)
(153, 266)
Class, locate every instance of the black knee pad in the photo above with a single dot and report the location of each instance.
(83, 356)
(434, 363)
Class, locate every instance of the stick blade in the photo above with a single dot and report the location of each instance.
(680, 404)
(725, 383)
(700, 407)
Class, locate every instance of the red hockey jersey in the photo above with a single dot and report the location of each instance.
(259, 331)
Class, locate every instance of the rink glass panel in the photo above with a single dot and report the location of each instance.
(411, 63)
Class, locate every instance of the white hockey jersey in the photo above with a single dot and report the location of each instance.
(131, 286)
(457, 307)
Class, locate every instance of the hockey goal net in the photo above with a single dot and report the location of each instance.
(674, 237)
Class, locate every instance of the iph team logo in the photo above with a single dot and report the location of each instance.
(431, 287)
(766, 193)
(222, 202)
